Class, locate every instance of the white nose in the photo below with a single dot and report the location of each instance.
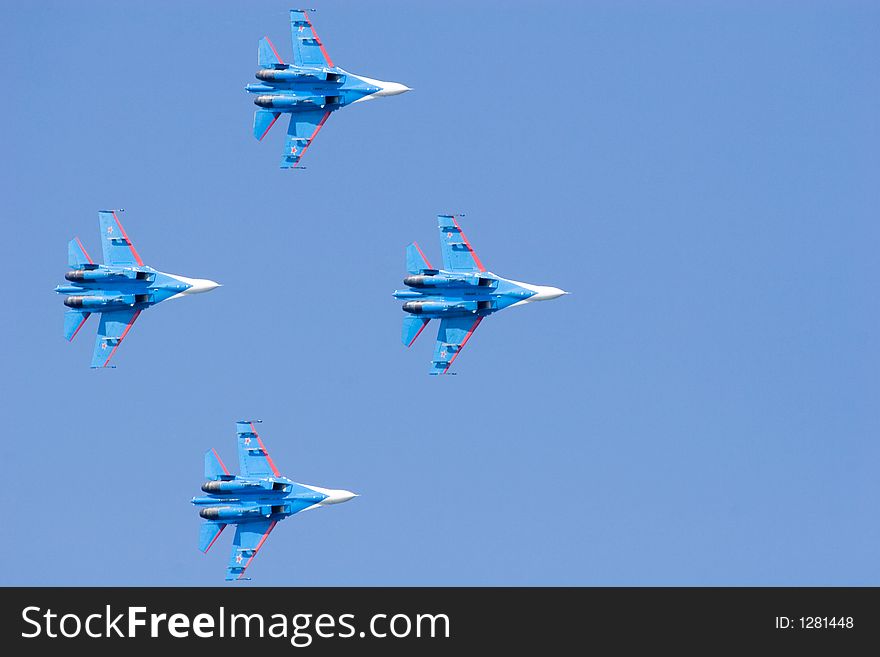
(199, 285)
(391, 89)
(337, 496)
(545, 293)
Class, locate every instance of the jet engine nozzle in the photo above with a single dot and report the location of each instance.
(227, 512)
(213, 512)
(270, 75)
(277, 102)
(80, 275)
(220, 486)
(436, 281)
(280, 75)
(78, 301)
(415, 281)
(440, 307)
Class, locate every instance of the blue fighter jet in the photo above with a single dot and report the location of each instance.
(309, 89)
(460, 294)
(119, 289)
(254, 501)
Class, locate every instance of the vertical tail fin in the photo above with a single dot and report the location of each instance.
(214, 467)
(412, 327)
(77, 258)
(416, 262)
(267, 56)
(263, 122)
(73, 321)
(208, 533)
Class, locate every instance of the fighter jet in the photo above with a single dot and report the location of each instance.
(254, 501)
(460, 294)
(309, 89)
(119, 289)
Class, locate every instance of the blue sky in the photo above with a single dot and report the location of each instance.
(701, 410)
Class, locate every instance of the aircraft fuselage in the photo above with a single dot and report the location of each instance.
(456, 294)
(298, 88)
(109, 288)
(241, 499)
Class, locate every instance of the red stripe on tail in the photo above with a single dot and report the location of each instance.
(272, 46)
(85, 317)
(419, 332)
(424, 257)
(269, 128)
(85, 253)
(219, 460)
(214, 540)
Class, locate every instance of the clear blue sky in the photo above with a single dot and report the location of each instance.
(702, 176)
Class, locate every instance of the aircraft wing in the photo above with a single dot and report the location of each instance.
(253, 459)
(451, 338)
(118, 249)
(112, 329)
(457, 252)
(304, 126)
(249, 538)
(307, 47)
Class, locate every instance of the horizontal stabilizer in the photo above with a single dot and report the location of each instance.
(77, 258)
(73, 321)
(214, 467)
(416, 262)
(208, 533)
(412, 327)
(263, 122)
(267, 56)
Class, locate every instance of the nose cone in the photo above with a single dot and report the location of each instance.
(199, 285)
(337, 496)
(545, 293)
(391, 88)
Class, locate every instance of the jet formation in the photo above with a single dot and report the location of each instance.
(254, 501)
(460, 294)
(119, 290)
(309, 89)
